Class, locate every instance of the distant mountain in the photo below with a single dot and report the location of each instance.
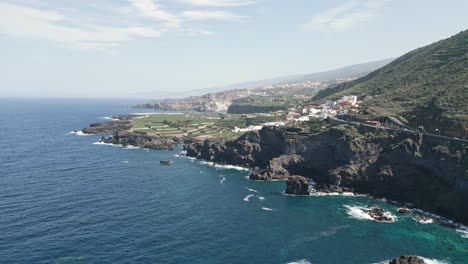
(427, 86)
(356, 70)
(351, 71)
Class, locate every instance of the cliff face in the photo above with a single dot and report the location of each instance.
(400, 166)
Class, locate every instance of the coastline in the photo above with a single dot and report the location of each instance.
(222, 157)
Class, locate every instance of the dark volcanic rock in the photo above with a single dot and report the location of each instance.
(142, 140)
(108, 127)
(379, 214)
(406, 167)
(407, 259)
(297, 185)
(404, 210)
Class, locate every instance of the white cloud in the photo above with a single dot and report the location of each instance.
(219, 3)
(345, 16)
(107, 24)
(149, 8)
(209, 15)
(31, 23)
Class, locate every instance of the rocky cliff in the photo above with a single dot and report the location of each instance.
(405, 167)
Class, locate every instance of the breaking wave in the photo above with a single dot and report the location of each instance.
(109, 118)
(231, 167)
(79, 133)
(358, 212)
(247, 198)
(302, 261)
(221, 181)
(267, 209)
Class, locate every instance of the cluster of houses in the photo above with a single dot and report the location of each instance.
(346, 105)
(257, 128)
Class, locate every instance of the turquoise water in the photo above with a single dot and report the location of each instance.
(64, 199)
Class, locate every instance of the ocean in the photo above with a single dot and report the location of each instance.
(64, 199)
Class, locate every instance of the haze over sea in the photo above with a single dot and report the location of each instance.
(64, 199)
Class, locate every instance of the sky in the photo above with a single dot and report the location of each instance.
(127, 48)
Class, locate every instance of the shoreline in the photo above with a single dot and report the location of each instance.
(123, 137)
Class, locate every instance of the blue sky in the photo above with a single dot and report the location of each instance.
(116, 48)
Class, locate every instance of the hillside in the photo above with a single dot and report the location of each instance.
(427, 86)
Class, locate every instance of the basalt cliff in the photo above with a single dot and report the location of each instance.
(408, 167)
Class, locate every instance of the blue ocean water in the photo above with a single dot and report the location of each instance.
(64, 199)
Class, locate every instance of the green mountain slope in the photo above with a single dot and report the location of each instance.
(427, 86)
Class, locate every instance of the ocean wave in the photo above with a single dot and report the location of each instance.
(79, 133)
(221, 181)
(131, 147)
(117, 145)
(261, 198)
(424, 221)
(319, 194)
(442, 220)
(221, 166)
(109, 118)
(209, 163)
(302, 261)
(267, 209)
(464, 233)
(251, 190)
(358, 212)
(106, 144)
(247, 198)
(124, 161)
(230, 167)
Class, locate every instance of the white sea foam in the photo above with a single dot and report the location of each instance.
(247, 198)
(252, 190)
(109, 118)
(124, 161)
(318, 194)
(107, 144)
(302, 261)
(464, 233)
(221, 181)
(424, 220)
(358, 212)
(209, 163)
(230, 167)
(261, 198)
(267, 209)
(79, 133)
(131, 147)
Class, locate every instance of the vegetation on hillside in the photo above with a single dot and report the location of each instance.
(427, 86)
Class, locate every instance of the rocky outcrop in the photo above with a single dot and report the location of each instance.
(108, 127)
(407, 259)
(401, 166)
(378, 214)
(127, 138)
(297, 185)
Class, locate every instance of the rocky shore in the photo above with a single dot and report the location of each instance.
(122, 134)
(129, 138)
(407, 259)
(119, 123)
(403, 167)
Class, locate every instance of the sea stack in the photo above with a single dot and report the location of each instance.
(297, 185)
(407, 259)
